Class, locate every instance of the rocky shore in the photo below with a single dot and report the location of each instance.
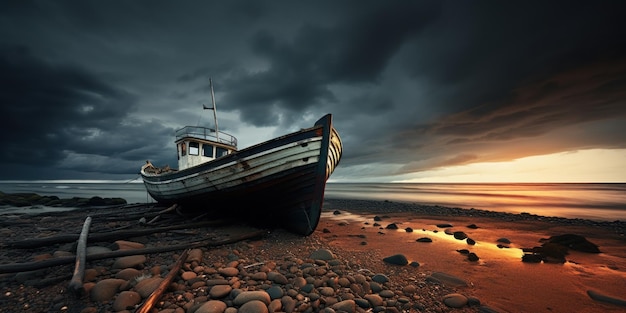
(344, 266)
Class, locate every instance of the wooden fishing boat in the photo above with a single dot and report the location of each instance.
(277, 183)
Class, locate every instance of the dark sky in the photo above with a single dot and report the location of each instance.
(93, 89)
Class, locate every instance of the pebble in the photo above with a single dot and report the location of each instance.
(129, 261)
(146, 286)
(319, 283)
(455, 300)
(220, 291)
(106, 289)
(212, 306)
(447, 279)
(397, 259)
(254, 306)
(126, 300)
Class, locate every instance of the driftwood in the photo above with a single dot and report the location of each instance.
(31, 266)
(158, 216)
(114, 235)
(157, 293)
(76, 284)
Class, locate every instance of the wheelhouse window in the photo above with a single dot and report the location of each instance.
(220, 152)
(194, 148)
(207, 150)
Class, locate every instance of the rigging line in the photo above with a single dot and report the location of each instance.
(128, 181)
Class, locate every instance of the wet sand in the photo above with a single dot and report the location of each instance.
(499, 278)
(357, 231)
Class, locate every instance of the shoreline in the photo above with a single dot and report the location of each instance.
(358, 233)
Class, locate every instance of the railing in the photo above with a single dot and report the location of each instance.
(206, 134)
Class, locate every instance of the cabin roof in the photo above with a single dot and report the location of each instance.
(205, 134)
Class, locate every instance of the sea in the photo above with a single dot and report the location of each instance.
(594, 201)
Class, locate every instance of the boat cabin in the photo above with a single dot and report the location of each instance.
(197, 145)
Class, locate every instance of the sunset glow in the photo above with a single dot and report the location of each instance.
(595, 165)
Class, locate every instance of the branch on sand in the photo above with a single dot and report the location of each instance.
(114, 235)
(157, 293)
(31, 266)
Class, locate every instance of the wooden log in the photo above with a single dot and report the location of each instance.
(157, 293)
(31, 266)
(114, 235)
(76, 284)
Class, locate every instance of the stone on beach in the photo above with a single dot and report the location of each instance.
(397, 259)
(247, 296)
(212, 306)
(455, 300)
(194, 255)
(146, 286)
(599, 296)
(447, 279)
(322, 254)
(135, 261)
(126, 300)
(106, 289)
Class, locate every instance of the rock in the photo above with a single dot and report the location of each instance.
(444, 225)
(126, 300)
(531, 258)
(146, 286)
(455, 300)
(374, 300)
(289, 303)
(97, 250)
(424, 239)
(322, 254)
(275, 306)
(327, 291)
(277, 278)
(380, 278)
(188, 275)
(212, 306)
(408, 230)
(128, 274)
(598, 296)
(127, 245)
(397, 259)
(472, 257)
(348, 306)
(275, 292)
(220, 291)
(448, 279)
(459, 235)
(135, 261)
(392, 226)
(336, 212)
(386, 293)
(504, 240)
(254, 306)
(575, 242)
(472, 226)
(470, 241)
(228, 271)
(106, 289)
(194, 255)
(247, 296)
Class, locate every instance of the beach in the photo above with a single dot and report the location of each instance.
(364, 256)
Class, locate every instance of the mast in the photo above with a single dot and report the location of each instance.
(217, 136)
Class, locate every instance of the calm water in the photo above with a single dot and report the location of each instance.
(590, 201)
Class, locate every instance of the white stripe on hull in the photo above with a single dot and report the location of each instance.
(235, 173)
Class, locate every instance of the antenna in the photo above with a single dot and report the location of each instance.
(214, 109)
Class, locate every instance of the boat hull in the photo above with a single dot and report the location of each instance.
(278, 183)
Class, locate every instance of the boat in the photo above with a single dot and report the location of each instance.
(278, 183)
